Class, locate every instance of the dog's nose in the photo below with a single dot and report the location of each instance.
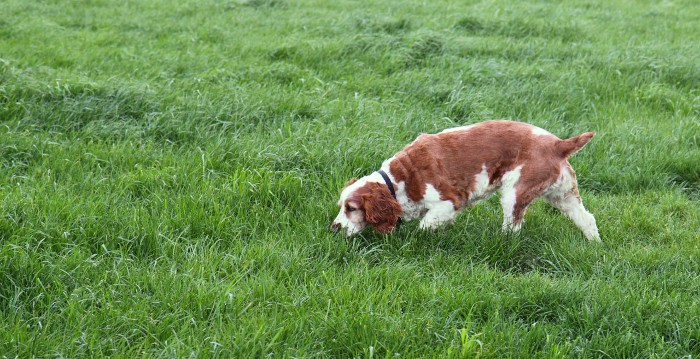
(335, 227)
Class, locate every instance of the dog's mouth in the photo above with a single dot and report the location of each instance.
(336, 227)
(346, 232)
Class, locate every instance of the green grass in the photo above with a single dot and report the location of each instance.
(169, 170)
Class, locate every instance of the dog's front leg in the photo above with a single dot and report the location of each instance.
(438, 215)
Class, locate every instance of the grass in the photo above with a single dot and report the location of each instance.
(170, 169)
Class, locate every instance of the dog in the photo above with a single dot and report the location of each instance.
(438, 175)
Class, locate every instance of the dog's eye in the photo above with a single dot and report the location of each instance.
(350, 209)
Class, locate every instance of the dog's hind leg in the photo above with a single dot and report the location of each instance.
(564, 196)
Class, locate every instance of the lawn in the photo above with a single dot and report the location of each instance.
(169, 170)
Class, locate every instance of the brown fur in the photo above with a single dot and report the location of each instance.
(382, 211)
(451, 160)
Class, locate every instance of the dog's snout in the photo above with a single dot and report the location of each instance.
(335, 227)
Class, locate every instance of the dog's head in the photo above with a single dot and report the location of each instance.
(365, 203)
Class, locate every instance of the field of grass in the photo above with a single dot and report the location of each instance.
(169, 170)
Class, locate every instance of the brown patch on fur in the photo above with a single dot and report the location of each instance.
(382, 211)
(450, 161)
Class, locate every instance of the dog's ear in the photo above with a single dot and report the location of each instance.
(382, 211)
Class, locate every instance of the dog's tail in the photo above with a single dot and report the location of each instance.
(570, 146)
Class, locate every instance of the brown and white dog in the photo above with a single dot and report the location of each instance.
(437, 175)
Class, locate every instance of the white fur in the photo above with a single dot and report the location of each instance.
(430, 208)
(508, 182)
(347, 191)
(460, 128)
(411, 210)
(563, 196)
(434, 211)
(482, 189)
(351, 225)
(438, 211)
(540, 131)
(354, 223)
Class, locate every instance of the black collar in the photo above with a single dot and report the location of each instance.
(388, 183)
